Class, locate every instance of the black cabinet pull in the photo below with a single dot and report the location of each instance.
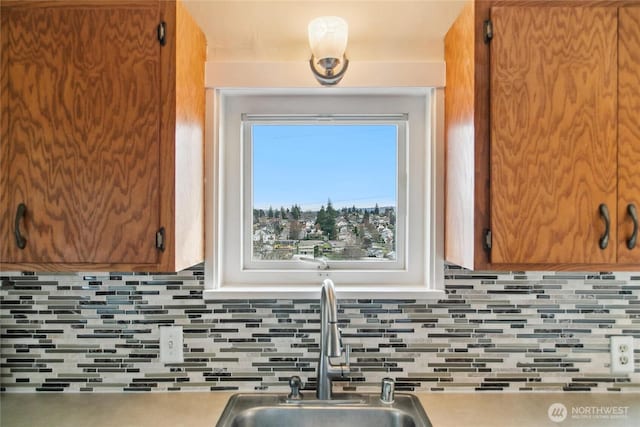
(631, 242)
(20, 241)
(604, 213)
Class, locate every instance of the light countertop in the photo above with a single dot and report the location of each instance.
(203, 409)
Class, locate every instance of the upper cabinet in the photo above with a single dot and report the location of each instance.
(101, 151)
(552, 127)
(543, 137)
(628, 134)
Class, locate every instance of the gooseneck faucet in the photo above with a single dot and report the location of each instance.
(330, 342)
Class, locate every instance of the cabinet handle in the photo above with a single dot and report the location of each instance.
(20, 241)
(604, 213)
(631, 209)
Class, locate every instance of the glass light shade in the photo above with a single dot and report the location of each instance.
(328, 37)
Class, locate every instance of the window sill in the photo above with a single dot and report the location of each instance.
(306, 292)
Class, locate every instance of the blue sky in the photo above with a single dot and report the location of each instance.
(307, 164)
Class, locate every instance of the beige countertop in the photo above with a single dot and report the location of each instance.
(203, 409)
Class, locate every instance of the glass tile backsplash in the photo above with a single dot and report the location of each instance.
(99, 332)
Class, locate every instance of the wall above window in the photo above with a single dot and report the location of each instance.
(276, 30)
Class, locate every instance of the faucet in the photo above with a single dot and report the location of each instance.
(330, 342)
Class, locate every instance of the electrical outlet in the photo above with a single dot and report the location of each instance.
(622, 361)
(171, 344)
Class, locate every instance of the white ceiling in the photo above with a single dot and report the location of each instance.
(379, 30)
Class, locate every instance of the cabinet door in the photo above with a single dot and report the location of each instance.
(553, 133)
(628, 131)
(80, 136)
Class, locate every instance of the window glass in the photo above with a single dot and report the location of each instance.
(324, 191)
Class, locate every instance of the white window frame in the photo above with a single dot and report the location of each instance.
(389, 78)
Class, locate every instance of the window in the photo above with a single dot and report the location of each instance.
(337, 176)
(323, 177)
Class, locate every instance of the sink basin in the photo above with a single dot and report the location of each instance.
(354, 410)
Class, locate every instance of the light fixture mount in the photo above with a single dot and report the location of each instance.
(325, 70)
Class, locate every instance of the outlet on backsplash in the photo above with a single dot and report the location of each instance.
(171, 343)
(622, 359)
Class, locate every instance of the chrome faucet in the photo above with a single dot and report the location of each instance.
(330, 342)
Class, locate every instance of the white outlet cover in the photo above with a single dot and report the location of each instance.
(622, 359)
(171, 342)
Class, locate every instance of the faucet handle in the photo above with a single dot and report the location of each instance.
(295, 383)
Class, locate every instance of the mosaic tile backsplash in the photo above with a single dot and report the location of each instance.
(491, 331)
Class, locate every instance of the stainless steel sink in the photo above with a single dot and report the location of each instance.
(353, 410)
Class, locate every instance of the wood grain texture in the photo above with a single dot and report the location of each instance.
(168, 135)
(628, 128)
(191, 50)
(481, 199)
(182, 139)
(467, 138)
(553, 133)
(482, 220)
(6, 231)
(460, 140)
(561, 3)
(104, 4)
(165, 188)
(82, 140)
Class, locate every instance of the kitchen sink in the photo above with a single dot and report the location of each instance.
(387, 409)
(353, 410)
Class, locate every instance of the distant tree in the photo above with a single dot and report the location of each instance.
(256, 215)
(295, 212)
(332, 231)
(326, 219)
(320, 217)
(277, 228)
(331, 211)
(328, 223)
(294, 230)
(270, 212)
(283, 213)
(365, 218)
(376, 210)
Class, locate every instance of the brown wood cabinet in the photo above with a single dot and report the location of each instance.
(628, 130)
(101, 151)
(543, 140)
